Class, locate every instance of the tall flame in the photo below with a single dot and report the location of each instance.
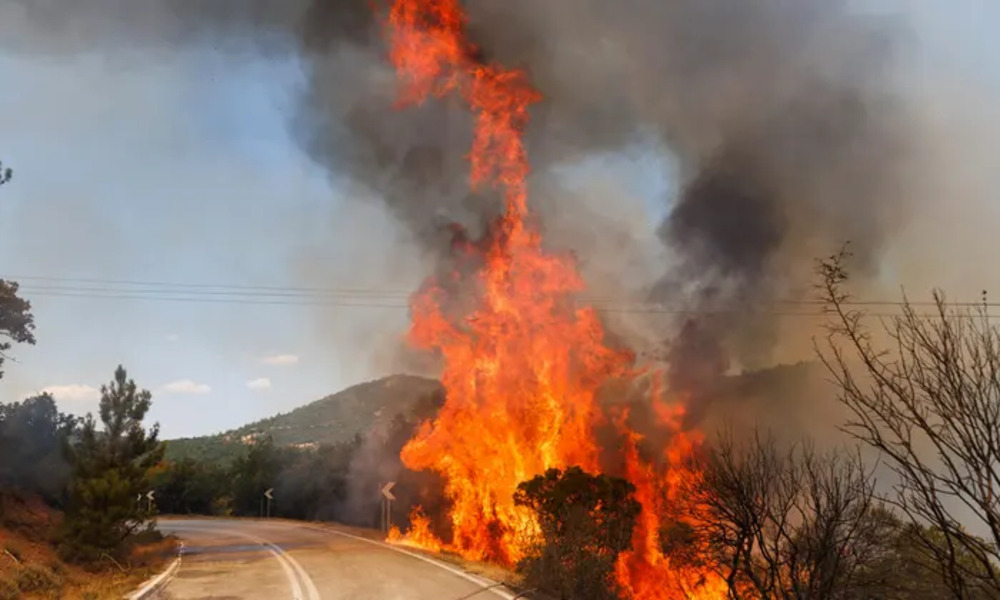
(523, 366)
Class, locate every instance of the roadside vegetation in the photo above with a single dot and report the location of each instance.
(70, 522)
(70, 526)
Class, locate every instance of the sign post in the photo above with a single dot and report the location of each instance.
(149, 496)
(387, 498)
(267, 494)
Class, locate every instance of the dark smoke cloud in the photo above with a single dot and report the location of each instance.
(783, 117)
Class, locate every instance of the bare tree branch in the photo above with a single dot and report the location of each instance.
(931, 407)
(787, 524)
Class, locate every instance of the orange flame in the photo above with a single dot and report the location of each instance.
(419, 534)
(523, 367)
(646, 572)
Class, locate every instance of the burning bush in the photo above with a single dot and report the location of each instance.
(585, 522)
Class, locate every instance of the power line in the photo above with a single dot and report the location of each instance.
(333, 303)
(212, 300)
(290, 293)
(232, 289)
(216, 293)
(203, 286)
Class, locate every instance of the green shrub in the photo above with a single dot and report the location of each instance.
(586, 522)
(146, 536)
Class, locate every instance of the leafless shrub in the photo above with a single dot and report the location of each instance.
(929, 403)
(788, 523)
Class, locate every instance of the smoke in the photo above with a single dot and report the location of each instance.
(783, 117)
(376, 460)
(785, 120)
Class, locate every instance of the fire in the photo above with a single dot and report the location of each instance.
(522, 368)
(645, 572)
(419, 535)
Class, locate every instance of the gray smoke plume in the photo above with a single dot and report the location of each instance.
(783, 118)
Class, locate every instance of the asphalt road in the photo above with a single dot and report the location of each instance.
(275, 560)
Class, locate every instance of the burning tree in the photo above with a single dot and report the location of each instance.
(929, 403)
(523, 360)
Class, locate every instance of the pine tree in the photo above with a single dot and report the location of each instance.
(111, 468)
(17, 324)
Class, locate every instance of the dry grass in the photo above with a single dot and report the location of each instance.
(31, 570)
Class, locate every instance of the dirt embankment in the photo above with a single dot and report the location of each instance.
(30, 567)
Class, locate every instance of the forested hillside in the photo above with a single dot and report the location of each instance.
(335, 419)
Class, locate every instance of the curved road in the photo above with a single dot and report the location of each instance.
(274, 560)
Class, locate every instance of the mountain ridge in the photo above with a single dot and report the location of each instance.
(334, 419)
(788, 397)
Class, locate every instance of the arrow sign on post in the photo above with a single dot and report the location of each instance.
(387, 498)
(267, 494)
(387, 490)
(149, 495)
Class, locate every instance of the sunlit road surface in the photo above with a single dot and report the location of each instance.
(275, 560)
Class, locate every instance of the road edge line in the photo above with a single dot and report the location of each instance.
(157, 582)
(476, 579)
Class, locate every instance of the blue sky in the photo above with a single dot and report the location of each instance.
(178, 167)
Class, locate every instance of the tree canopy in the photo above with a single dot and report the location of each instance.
(586, 522)
(33, 443)
(111, 469)
(17, 324)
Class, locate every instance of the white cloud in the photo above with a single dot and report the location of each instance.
(261, 383)
(186, 387)
(73, 392)
(280, 359)
(172, 337)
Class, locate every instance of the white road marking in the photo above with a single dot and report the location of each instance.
(155, 582)
(476, 579)
(311, 592)
(294, 572)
